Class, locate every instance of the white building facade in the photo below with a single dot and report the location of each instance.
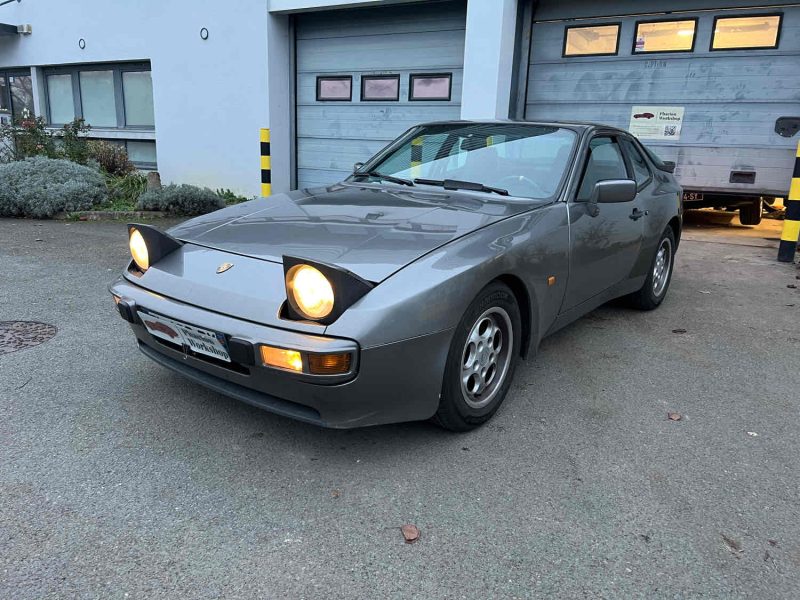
(189, 85)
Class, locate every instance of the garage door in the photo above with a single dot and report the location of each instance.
(364, 76)
(703, 89)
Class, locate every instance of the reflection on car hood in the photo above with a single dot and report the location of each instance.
(370, 230)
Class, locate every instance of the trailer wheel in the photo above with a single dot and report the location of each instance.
(750, 214)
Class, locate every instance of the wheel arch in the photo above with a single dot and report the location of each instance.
(523, 298)
(675, 224)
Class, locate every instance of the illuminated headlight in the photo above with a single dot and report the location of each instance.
(148, 245)
(139, 250)
(310, 292)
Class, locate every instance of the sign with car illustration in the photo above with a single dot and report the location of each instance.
(656, 122)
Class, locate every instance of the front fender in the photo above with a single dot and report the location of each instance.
(432, 293)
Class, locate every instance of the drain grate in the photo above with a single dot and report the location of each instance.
(18, 335)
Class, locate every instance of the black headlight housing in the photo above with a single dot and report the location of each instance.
(348, 288)
(158, 243)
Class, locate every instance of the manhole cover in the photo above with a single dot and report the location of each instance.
(18, 335)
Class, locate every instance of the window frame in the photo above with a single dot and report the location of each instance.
(74, 71)
(618, 25)
(413, 76)
(632, 170)
(320, 78)
(364, 78)
(695, 20)
(745, 48)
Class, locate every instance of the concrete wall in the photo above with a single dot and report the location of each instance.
(211, 97)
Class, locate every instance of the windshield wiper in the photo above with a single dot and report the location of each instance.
(391, 178)
(455, 184)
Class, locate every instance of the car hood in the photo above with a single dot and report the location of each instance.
(370, 230)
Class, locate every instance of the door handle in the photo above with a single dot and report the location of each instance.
(638, 214)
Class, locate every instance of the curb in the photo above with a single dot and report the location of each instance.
(109, 215)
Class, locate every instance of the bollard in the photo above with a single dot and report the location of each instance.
(791, 223)
(266, 164)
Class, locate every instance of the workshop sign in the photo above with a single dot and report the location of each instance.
(656, 122)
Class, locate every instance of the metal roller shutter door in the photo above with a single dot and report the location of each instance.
(397, 40)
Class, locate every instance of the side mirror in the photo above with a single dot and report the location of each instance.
(612, 191)
(357, 167)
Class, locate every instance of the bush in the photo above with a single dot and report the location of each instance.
(30, 136)
(112, 158)
(124, 191)
(230, 196)
(181, 200)
(39, 187)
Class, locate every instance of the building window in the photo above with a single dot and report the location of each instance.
(97, 98)
(594, 40)
(105, 96)
(751, 32)
(430, 86)
(380, 87)
(664, 36)
(339, 88)
(142, 153)
(16, 95)
(60, 98)
(137, 91)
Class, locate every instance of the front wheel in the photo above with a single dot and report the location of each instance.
(481, 361)
(658, 279)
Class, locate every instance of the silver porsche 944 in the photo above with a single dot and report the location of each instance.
(410, 290)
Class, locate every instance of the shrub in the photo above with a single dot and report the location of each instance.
(124, 192)
(230, 196)
(181, 200)
(112, 158)
(31, 137)
(39, 187)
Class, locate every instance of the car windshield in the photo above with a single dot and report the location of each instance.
(514, 159)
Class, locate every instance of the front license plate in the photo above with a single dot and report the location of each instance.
(197, 339)
(692, 196)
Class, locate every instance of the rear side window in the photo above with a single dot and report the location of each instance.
(640, 169)
(605, 162)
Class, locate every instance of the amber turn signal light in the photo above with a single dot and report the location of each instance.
(329, 364)
(280, 358)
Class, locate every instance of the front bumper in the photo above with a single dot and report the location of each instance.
(394, 382)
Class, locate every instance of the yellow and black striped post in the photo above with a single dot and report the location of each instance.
(266, 164)
(791, 223)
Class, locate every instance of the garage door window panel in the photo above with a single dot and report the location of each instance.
(592, 40)
(430, 86)
(335, 89)
(605, 162)
(376, 88)
(752, 32)
(664, 36)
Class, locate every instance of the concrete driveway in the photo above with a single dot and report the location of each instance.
(119, 479)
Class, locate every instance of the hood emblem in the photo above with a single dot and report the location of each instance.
(224, 267)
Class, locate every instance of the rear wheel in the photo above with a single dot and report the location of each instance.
(750, 214)
(481, 361)
(656, 285)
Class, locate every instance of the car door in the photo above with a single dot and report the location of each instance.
(605, 239)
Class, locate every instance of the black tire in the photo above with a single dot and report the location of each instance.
(652, 295)
(461, 408)
(750, 214)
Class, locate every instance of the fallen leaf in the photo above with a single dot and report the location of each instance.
(773, 542)
(673, 416)
(336, 493)
(733, 545)
(410, 533)
(752, 434)
(679, 330)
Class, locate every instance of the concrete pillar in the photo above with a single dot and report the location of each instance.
(488, 59)
(281, 98)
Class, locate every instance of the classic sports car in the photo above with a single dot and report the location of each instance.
(410, 290)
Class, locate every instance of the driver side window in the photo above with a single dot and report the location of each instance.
(605, 162)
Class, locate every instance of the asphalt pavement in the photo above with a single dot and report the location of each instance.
(119, 479)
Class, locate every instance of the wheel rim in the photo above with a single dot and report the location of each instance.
(662, 267)
(486, 357)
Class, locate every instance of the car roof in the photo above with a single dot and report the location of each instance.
(583, 125)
